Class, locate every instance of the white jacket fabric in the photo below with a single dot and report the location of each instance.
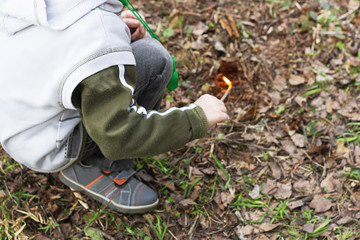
(47, 48)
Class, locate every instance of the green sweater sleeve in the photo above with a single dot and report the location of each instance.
(121, 128)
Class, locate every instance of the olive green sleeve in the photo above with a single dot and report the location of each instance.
(121, 128)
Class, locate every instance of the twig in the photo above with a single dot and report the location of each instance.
(207, 215)
(172, 235)
(191, 231)
(56, 223)
(333, 34)
(348, 13)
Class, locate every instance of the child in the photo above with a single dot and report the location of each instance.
(80, 89)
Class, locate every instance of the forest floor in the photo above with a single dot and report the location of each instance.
(285, 166)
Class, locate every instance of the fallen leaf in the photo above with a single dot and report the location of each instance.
(330, 184)
(344, 220)
(296, 80)
(247, 230)
(266, 227)
(41, 237)
(228, 23)
(304, 187)
(341, 149)
(309, 227)
(320, 67)
(276, 171)
(355, 198)
(275, 97)
(284, 191)
(200, 28)
(255, 192)
(226, 198)
(187, 202)
(184, 220)
(320, 204)
(269, 187)
(2, 194)
(279, 83)
(295, 204)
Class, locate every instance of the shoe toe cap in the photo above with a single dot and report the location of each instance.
(147, 197)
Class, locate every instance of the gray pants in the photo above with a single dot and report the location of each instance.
(154, 70)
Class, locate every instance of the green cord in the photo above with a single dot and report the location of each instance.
(128, 4)
(174, 80)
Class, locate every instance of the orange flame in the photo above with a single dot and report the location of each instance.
(227, 81)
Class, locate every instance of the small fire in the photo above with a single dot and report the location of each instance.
(229, 83)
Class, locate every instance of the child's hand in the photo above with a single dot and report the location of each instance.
(137, 30)
(214, 109)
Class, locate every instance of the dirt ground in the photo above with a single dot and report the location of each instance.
(285, 166)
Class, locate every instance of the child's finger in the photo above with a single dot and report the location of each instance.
(132, 23)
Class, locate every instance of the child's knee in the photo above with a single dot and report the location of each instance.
(153, 49)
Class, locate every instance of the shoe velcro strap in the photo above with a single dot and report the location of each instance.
(123, 176)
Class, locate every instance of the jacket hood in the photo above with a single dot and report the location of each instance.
(16, 15)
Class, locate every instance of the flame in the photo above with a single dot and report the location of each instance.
(227, 81)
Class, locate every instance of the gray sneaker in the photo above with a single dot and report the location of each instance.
(121, 191)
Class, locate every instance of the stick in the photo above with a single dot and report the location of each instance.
(226, 93)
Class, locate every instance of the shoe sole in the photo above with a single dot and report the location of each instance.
(118, 207)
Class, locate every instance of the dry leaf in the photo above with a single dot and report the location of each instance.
(330, 184)
(276, 171)
(345, 220)
(355, 198)
(284, 191)
(266, 227)
(247, 230)
(269, 187)
(228, 23)
(187, 202)
(320, 204)
(200, 28)
(309, 227)
(279, 83)
(299, 140)
(295, 204)
(226, 198)
(255, 192)
(296, 80)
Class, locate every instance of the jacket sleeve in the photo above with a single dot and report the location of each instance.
(121, 128)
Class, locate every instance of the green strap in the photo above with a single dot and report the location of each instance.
(128, 4)
(174, 80)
